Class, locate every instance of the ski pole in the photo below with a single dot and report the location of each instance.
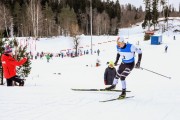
(155, 72)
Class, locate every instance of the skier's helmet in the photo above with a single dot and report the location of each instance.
(120, 39)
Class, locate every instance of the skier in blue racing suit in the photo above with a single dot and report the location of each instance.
(127, 53)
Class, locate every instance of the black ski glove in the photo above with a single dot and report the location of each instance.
(139, 61)
(115, 63)
(138, 64)
(117, 59)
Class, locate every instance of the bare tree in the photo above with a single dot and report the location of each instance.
(97, 23)
(101, 23)
(74, 29)
(76, 40)
(105, 23)
(113, 25)
(35, 13)
(163, 3)
(5, 20)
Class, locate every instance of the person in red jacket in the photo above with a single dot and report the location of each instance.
(9, 67)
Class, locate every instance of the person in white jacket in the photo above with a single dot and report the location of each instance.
(127, 53)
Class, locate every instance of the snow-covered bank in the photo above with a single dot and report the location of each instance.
(48, 95)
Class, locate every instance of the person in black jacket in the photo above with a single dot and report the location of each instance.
(109, 74)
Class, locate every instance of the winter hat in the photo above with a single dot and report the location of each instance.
(111, 63)
(7, 49)
(120, 39)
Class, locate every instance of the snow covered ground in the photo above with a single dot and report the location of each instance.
(48, 95)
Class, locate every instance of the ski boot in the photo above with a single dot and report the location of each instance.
(112, 87)
(123, 94)
(21, 83)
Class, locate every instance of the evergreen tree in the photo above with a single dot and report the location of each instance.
(67, 18)
(48, 19)
(129, 7)
(136, 16)
(155, 14)
(24, 29)
(148, 14)
(21, 52)
(166, 13)
(24, 70)
(17, 18)
(118, 10)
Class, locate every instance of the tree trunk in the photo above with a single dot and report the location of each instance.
(1, 70)
(5, 22)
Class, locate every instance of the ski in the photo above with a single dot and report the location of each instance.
(98, 90)
(57, 73)
(116, 99)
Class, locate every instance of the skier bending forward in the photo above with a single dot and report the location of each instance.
(127, 52)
